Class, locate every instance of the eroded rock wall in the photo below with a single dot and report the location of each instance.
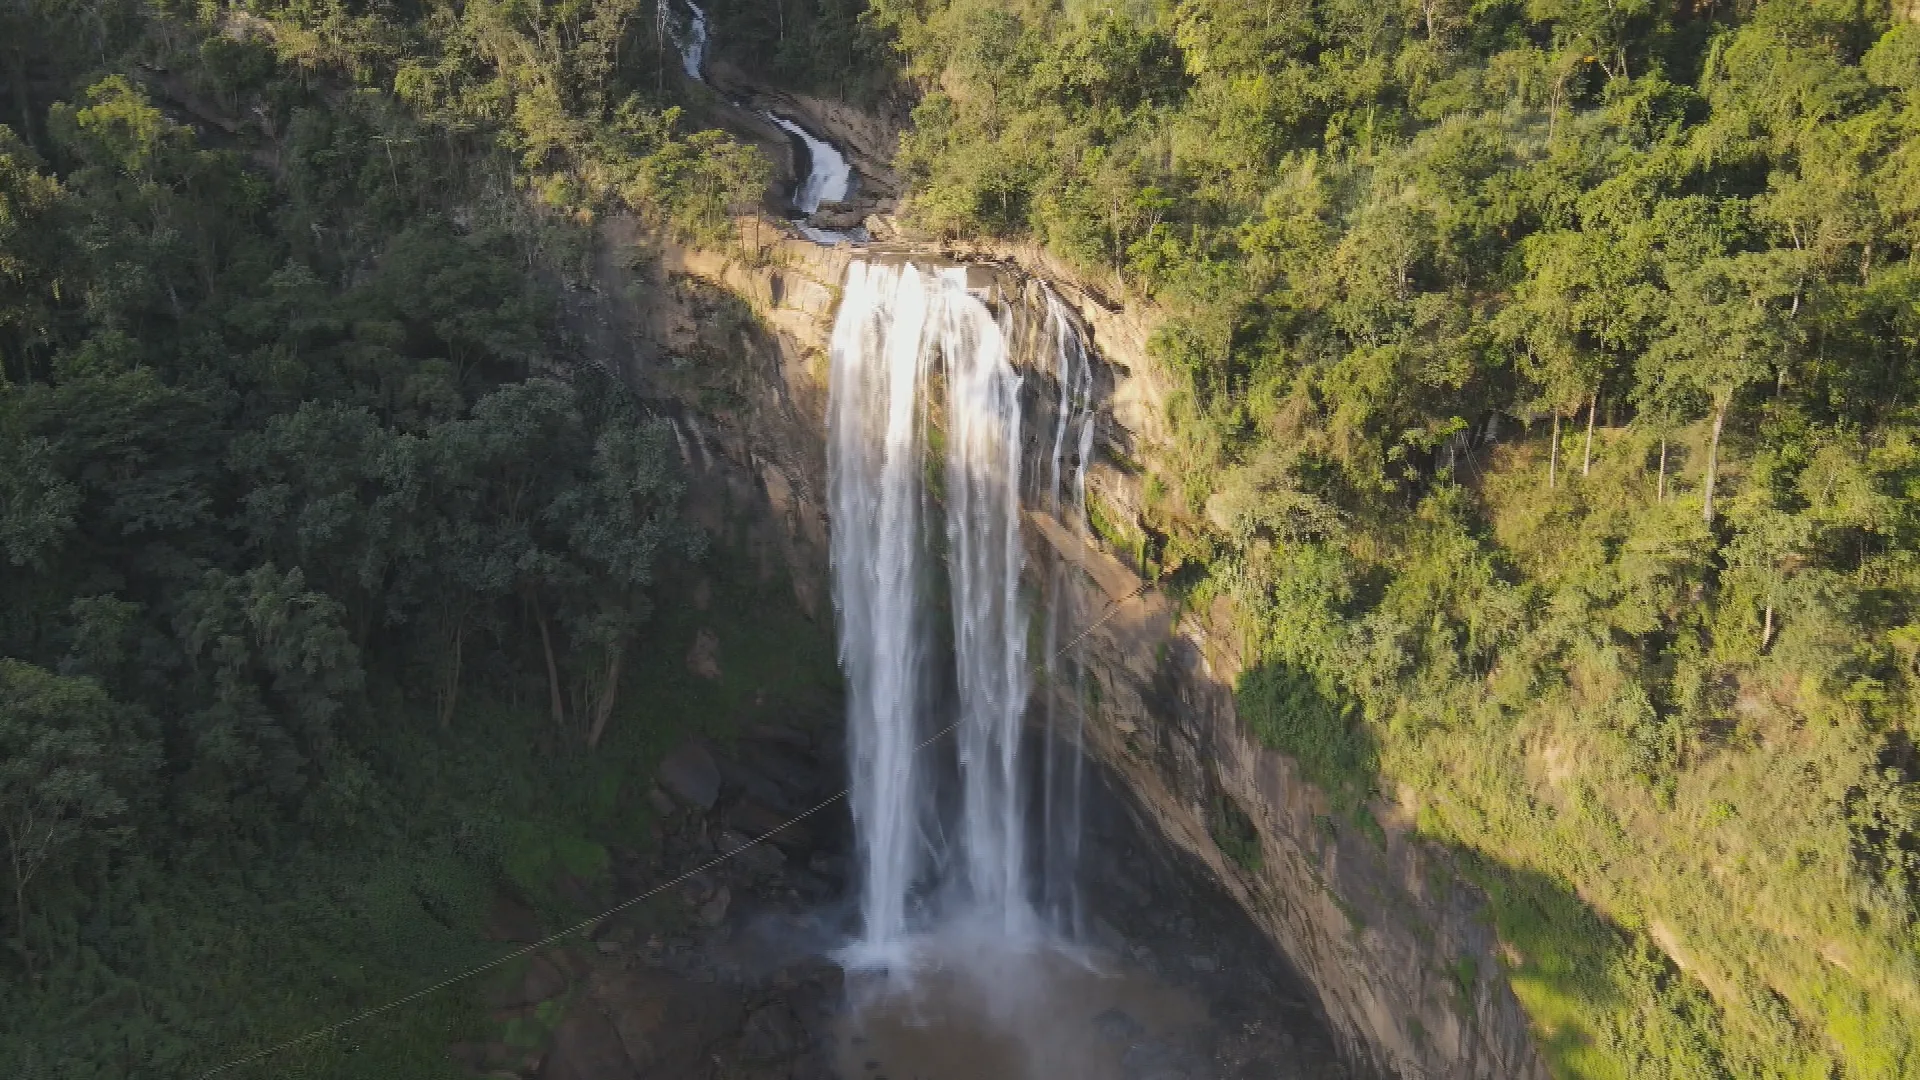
(1399, 952)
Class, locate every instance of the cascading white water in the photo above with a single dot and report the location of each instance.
(1066, 499)
(829, 177)
(905, 337)
(693, 49)
(875, 453)
(984, 560)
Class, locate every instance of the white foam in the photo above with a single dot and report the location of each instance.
(829, 177)
(931, 865)
(693, 50)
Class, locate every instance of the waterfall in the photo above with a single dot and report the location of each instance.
(877, 443)
(922, 368)
(693, 47)
(985, 557)
(828, 175)
(1066, 499)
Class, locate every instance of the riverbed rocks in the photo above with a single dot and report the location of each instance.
(690, 774)
(842, 215)
(727, 985)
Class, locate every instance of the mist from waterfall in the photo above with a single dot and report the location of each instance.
(927, 454)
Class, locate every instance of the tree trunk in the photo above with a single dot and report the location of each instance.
(553, 669)
(1661, 492)
(20, 915)
(23, 870)
(603, 710)
(1713, 453)
(1766, 628)
(1586, 458)
(450, 692)
(1553, 453)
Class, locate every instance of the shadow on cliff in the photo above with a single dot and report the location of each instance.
(1601, 998)
(1318, 725)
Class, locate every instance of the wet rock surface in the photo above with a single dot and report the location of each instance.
(731, 976)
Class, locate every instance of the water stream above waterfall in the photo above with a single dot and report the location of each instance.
(693, 48)
(828, 175)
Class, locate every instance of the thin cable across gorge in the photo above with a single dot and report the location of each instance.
(588, 924)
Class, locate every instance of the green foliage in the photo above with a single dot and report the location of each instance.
(1542, 392)
(322, 554)
(1234, 831)
(1289, 711)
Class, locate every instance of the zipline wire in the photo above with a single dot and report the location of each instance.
(589, 924)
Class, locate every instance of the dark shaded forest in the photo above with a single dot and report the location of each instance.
(327, 563)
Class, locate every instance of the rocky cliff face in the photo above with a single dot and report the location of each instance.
(1406, 968)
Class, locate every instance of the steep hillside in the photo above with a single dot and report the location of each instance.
(345, 601)
(1541, 386)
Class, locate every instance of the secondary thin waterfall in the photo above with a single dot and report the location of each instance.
(1066, 499)
(923, 368)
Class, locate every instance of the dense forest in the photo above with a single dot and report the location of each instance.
(327, 562)
(1547, 379)
(1547, 405)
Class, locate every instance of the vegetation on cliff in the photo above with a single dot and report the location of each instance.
(1547, 384)
(327, 565)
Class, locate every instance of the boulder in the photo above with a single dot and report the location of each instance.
(541, 981)
(772, 1032)
(756, 860)
(690, 775)
(754, 782)
(795, 772)
(586, 1046)
(836, 219)
(703, 656)
(666, 1023)
(756, 820)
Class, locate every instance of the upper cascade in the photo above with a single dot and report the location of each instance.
(693, 48)
(829, 176)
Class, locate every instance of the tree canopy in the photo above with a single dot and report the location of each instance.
(300, 474)
(1545, 379)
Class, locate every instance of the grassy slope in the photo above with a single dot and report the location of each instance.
(1694, 917)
